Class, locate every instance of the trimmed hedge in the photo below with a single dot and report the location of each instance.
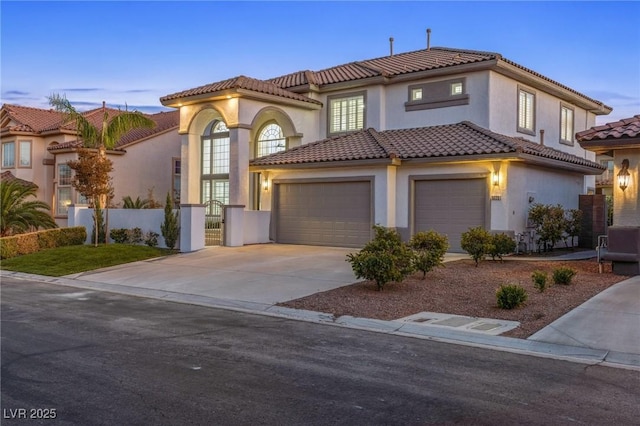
(18, 245)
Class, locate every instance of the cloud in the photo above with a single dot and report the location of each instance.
(81, 89)
(137, 91)
(14, 93)
(605, 94)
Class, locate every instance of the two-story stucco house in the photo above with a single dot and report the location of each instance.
(440, 138)
(37, 144)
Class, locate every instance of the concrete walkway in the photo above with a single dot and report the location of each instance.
(605, 329)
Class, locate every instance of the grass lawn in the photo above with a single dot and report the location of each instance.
(74, 259)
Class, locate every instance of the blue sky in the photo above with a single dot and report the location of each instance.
(136, 52)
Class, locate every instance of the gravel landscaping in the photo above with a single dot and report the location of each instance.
(462, 289)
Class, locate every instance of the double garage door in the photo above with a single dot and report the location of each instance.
(323, 213)
(450, 207)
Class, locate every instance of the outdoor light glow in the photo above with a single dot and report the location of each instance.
(496, 178)
(623, 176)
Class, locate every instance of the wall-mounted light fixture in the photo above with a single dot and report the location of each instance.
(623, 175)
(265, 183)
(496, 178)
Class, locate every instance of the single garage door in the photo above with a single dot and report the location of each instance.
(450, 207)
(323, 213)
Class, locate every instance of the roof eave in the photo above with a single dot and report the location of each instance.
(236, 93)
(604, 145)
(324, 164)
(526, 77)
(559, 164)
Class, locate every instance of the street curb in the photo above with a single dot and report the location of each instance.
(506, 344)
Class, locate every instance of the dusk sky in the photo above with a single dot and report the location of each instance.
(136, 52)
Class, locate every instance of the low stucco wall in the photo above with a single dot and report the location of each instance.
(256, 226)
(145, 219)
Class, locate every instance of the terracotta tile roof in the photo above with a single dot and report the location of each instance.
(240, 82)
(405, 63)
(9, 177)
(28, 119)
(622, 129)
(450, 141)
(164, 121)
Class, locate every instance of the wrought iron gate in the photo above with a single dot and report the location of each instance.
(213, 223)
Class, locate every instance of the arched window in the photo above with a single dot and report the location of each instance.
(215, 163)
(270, 140)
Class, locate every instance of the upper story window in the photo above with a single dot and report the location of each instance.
(9, 154)
(566, 125)
(270, 140)
(437, 94)
(215, 149)
(63, 190)
(346, 113)
(25, 154)
(526, 112)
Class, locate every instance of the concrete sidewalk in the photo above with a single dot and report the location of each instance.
(605, 329)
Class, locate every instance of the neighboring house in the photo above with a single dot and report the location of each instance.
(441, 138)
(619, 141)
(37, 144)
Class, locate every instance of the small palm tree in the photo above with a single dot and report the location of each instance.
(107, 136)
(130, 203)
(112, 129)
(19, 215)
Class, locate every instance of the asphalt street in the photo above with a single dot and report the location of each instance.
(83, 357)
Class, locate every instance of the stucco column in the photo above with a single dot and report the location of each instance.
(390, 197)
(238, 166)
(190, 169)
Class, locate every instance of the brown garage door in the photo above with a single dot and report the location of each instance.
(323, 213)
(450, 207)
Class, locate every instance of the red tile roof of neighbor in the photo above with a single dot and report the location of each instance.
(451, 141)
(387, 67)
(622, 129)
(9, 177)
(39, 121)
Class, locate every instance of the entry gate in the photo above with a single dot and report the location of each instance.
(213, 223)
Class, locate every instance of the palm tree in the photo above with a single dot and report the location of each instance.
(18, 215)
(130, 203)
(112, 129)
(107, 136)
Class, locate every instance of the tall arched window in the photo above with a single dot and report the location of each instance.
(215, 163)
(270, 140)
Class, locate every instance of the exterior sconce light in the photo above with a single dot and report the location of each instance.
(623, 175)
(496, 178)
(265, 184)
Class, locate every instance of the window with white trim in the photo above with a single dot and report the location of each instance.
(416, 94)
(63, 191)
(9, 154)
(215, 163)
(24, 154)
(526, 111)
(346, 113)
(270, 140)
(175, 181)
(566, 125)
(456, 88)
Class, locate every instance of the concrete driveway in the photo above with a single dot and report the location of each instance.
(263, 273)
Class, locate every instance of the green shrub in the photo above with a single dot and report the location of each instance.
(429, 250)
(572, 226)
(384, 259)
(134, 236)
(563, 275)
(151, 238)
(501, 244)
(476, 242)
(119, 235)
(511, 296)
(170, 228)
(32, 242)
(550, 224)
(539, 280)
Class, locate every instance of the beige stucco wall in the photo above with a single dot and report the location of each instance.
(146, 166)
(626, 204)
